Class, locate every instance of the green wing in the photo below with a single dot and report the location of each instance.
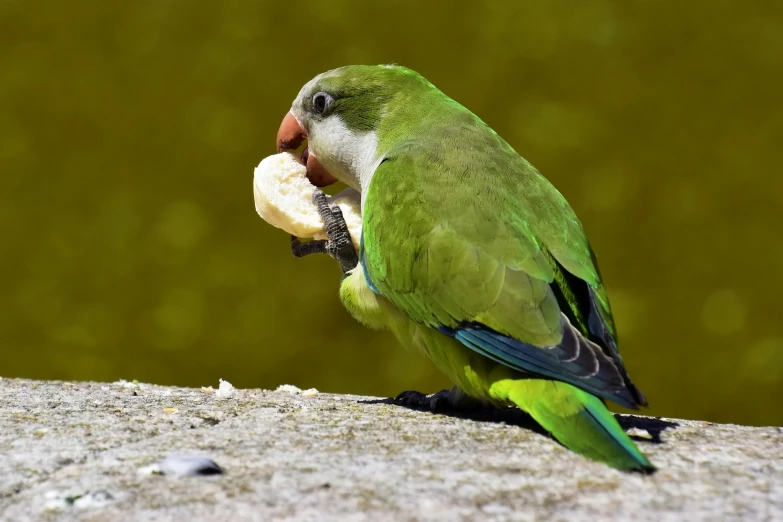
(472, 240)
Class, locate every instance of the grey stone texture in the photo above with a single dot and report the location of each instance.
(124, 451)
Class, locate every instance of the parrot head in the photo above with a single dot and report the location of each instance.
(338, 114)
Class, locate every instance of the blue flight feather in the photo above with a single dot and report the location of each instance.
(528, 358)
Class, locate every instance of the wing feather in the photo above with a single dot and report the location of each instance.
(476, 243)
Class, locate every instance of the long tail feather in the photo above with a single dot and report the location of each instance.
(578, 420)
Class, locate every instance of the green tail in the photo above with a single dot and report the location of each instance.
(578, 420)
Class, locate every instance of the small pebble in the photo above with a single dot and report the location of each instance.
(312, 392)
(183, 467)
(170, 410)
(97, 498)
(495, 508)
(56, 500)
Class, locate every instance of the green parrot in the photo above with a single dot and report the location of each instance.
(468, 253)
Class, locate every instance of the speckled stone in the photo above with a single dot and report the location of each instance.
(79, 451)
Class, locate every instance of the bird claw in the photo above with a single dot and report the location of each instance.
(339, 244)
(453, 400)
(299, 249)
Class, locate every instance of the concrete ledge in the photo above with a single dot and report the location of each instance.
(87, 451)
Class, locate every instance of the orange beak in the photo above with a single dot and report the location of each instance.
(289, 137)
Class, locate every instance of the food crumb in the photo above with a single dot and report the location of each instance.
(225, 390)
(637, 432)
(132, 384)
(289, 388)
(170, 410)
(312, 392)
(207, 389)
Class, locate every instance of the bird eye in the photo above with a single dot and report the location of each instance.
(320, 102)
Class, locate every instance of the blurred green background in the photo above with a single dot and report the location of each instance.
(129, 132)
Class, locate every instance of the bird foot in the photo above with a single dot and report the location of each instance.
(453, 400)
(339, 244)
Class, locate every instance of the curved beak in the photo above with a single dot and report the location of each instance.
(291, 134)
(289, 137)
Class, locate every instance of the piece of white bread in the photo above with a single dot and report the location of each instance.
(284, 199)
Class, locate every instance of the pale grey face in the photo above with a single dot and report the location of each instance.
(342, 110)
(347, 153)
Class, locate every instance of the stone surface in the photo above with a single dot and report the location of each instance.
(90, 451)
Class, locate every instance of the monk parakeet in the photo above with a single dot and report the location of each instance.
(468, 253)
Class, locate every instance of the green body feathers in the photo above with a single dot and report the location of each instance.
(578, 420)
(472, 256)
